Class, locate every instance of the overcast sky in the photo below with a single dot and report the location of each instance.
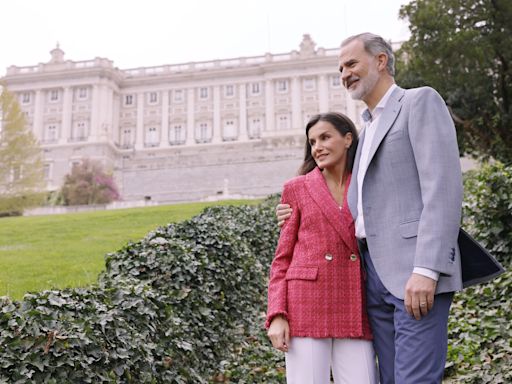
(136, 33)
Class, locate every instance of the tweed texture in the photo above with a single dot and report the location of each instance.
(316, 277)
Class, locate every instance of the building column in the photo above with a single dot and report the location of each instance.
(269, 106)
(95, 113)
(296, 104)
(242, 131)
(217, 134)
(67, 101)
(323, 94)
(191, 136)
(38, 128)
(351, 108)
(139, 130)
(105, 113)
(116, 108)
(164, 136)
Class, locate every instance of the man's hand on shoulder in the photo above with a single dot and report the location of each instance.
(419, 295)
(283, 212)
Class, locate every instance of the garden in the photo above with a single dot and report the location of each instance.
(185, 304)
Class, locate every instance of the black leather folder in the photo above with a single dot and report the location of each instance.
(478, 265)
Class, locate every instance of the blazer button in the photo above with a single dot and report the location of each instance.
(328, 257)
(353, 257)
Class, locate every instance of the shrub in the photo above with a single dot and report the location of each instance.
(176, 307)
(480, 345)
(89, 184)
(488, 208)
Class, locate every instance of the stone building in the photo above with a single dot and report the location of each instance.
(181, 132)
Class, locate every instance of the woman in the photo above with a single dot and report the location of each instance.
(316, 306)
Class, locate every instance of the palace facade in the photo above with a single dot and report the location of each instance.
(181, 132)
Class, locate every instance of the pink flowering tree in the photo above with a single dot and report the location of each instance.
(88, 183)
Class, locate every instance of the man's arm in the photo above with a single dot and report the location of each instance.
(436, 154)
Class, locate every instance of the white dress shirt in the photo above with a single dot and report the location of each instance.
(371, 119)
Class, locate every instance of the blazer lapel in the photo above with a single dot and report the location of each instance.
(388, 117)
(319, 192)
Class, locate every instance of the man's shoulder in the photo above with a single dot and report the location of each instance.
(421, 91)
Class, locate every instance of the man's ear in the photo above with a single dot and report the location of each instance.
(382, 60)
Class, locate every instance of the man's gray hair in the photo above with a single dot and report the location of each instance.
(374, 44)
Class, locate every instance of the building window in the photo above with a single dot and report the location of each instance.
(307, 117)
(47, 171)
(229, 91)
(203, 93)
(176, 135)
(203, 133)
(309, 84)
(335, 81)
(255, 88)
(283, 122)
(80, 131)
(82, 93)
(282, 86)
(255, 128)
(50, 134)
(152, 137)
(25, 98)
(54, 95)
(128, 100)
(16, 173)
(126, 138)
(229, 132)
(178, 95)
(153, 98)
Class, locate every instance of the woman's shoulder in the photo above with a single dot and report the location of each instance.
(295, 182)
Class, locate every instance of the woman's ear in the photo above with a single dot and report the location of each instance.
(348, 140)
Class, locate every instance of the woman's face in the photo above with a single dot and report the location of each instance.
(328, 147)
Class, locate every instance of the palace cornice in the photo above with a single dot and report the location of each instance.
(62, 76)
(260, 70)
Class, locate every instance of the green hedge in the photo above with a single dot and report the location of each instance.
(176, 307)
(186, 305)
(480, 332)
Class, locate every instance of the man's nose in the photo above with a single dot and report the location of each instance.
(345, 74)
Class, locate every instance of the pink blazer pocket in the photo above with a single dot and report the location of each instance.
(302, 273)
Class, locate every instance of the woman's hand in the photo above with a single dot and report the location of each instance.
(279, 333)
(283, 212)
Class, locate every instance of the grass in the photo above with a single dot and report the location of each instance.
(58, 251)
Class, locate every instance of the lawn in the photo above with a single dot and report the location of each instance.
(58, 251)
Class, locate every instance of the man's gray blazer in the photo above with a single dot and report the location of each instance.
(412, 191)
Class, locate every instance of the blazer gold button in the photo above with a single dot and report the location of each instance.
(353, 257)
(328, 257)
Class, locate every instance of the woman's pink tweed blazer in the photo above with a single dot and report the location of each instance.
(316, 279)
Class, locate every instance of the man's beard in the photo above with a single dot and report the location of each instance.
(365, 85)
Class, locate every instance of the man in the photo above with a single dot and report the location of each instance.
(406, 198)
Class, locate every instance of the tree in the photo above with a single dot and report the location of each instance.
(463, 48)
(21, 160)
(88, 183)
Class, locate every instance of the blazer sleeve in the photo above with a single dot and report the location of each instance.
(434, 144)
(277, 287)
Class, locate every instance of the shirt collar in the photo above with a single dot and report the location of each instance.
(368, 116)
